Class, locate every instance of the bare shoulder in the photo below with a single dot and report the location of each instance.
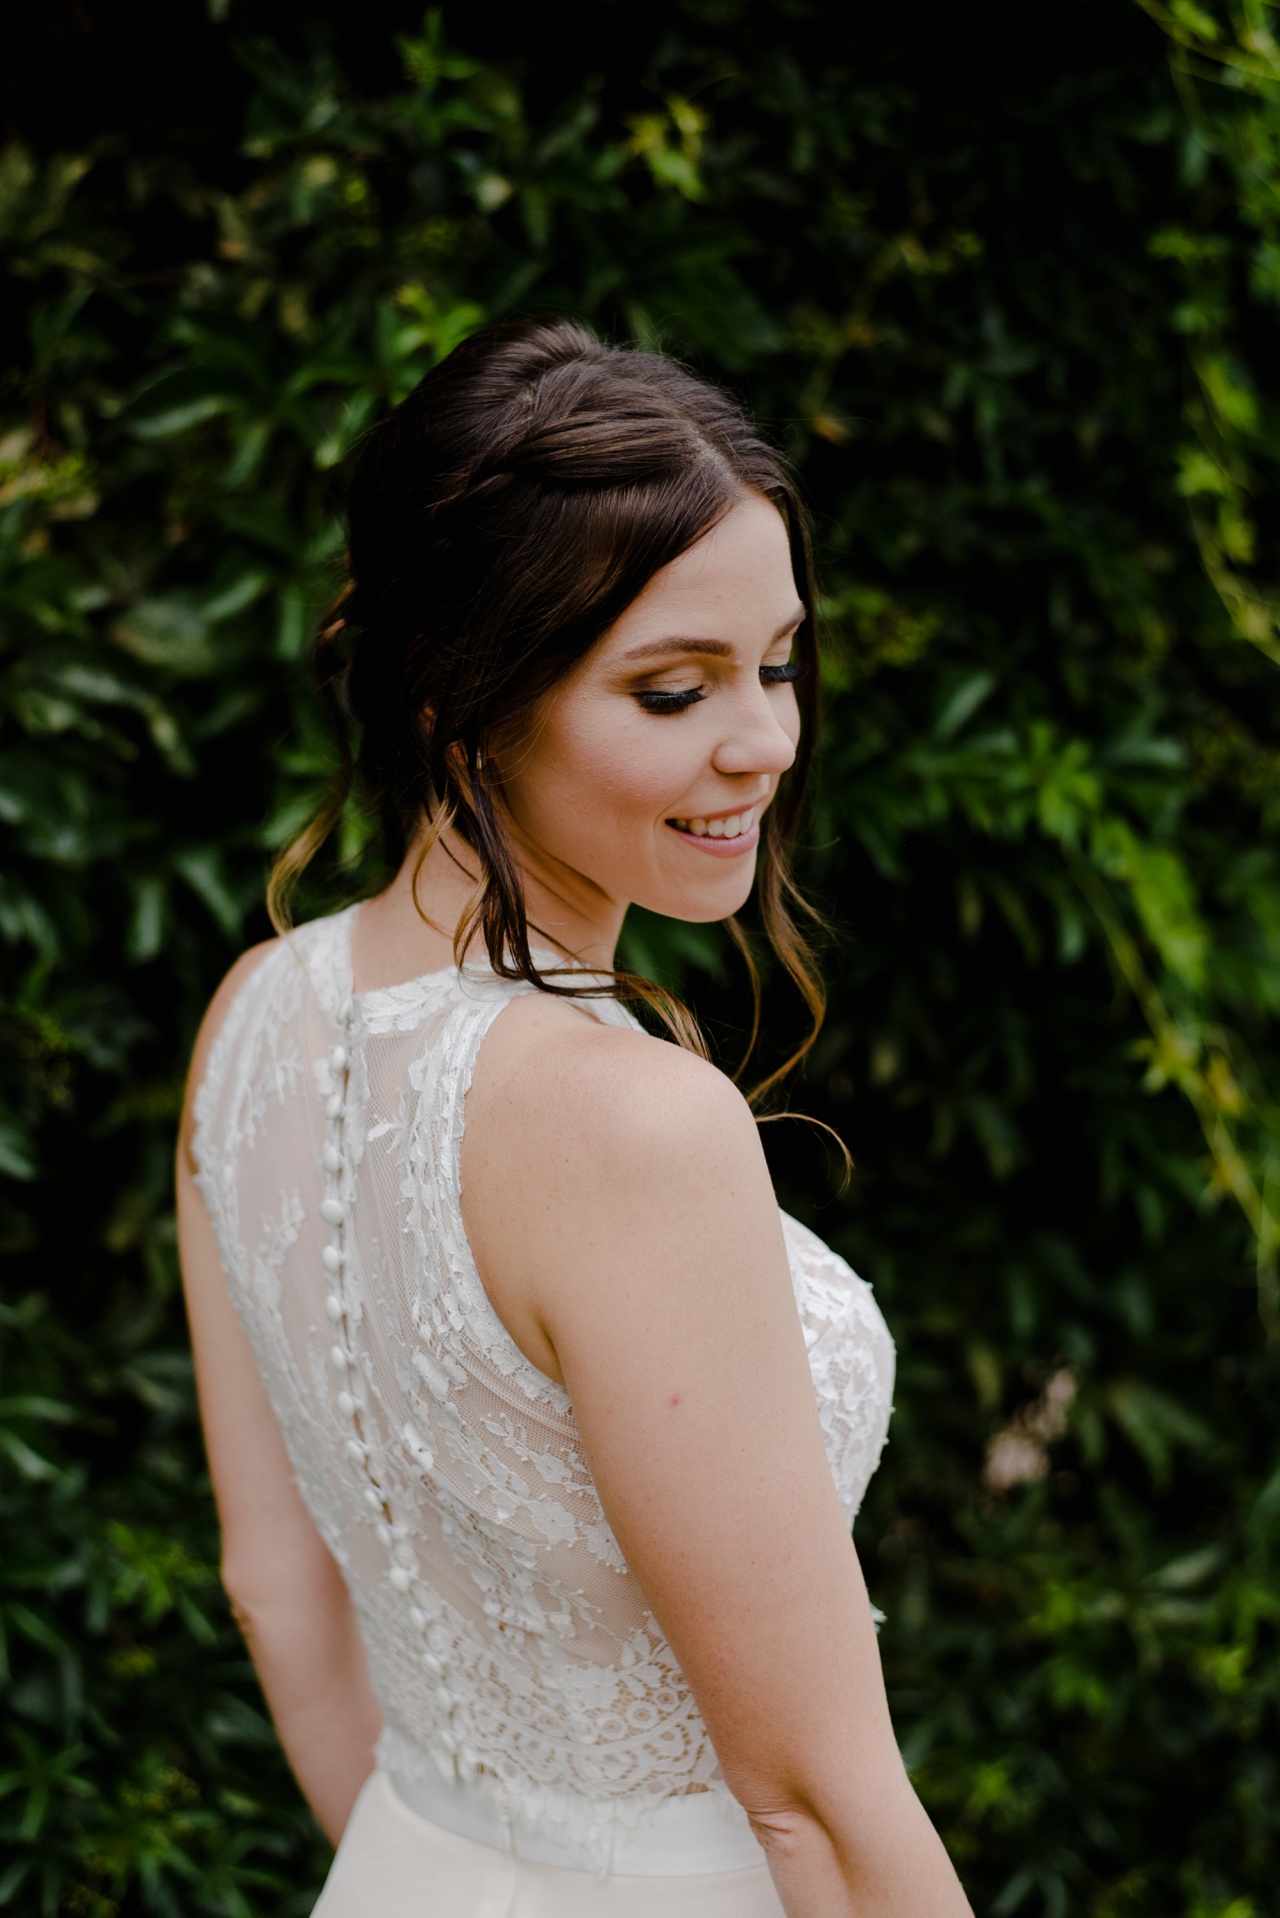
(211, 1024)
(609, 1096)
(587, 1145)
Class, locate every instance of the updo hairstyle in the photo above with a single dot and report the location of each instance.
(501, 519)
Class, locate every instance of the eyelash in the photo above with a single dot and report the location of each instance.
(660, 702)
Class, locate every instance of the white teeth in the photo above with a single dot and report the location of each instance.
(731, 828)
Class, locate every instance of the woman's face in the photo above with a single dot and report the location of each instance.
(645, 771)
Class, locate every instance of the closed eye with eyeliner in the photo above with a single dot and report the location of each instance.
(660, 700)
(712, 649)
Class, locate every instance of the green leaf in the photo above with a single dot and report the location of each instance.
(962, 702)
(17, 1154)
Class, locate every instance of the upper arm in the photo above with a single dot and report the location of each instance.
(269, 1540)
(636, 1213)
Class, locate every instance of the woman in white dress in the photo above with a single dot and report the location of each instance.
(537, 1432)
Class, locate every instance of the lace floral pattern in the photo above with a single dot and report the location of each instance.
(506, 1637)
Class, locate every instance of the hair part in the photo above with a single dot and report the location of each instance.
(501, 519)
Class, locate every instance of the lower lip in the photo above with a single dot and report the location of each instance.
(720, 848)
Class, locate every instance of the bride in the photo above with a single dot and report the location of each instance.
(536, 1430)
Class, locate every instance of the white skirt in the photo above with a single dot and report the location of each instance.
(392, 1863)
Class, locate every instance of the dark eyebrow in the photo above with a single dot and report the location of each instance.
(714, 648)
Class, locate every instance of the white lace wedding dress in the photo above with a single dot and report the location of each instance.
(535, 1717)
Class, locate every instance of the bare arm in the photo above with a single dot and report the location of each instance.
(622, 1214)
(287, 1593)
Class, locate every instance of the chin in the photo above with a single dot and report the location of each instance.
(703, 908)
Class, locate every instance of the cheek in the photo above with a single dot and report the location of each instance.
(596, 769)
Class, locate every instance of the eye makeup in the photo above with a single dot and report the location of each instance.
(659, 700)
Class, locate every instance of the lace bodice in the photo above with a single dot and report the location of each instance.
(505, 1635)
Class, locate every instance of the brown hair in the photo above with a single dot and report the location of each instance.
(501, 518)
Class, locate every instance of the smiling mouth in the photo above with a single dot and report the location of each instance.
(736, 829)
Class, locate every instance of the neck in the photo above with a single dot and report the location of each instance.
(395, 941)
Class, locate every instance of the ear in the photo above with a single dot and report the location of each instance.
(463, 769)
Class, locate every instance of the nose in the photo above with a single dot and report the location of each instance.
(759, 741)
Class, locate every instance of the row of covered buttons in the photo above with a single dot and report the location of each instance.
(450, 1754)
(333, 1256)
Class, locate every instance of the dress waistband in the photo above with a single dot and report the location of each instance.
(684, 1837)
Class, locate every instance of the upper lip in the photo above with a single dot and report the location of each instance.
(730, 812)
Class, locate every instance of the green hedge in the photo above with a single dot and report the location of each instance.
(1007, 288)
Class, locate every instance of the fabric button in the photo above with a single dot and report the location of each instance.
(354, 1448)
(401, 1578)
(332, 1159)
(347, 1405)
(383, 1534)
(432, 1665)
(333, 1307)
(417, 1618)
(333, 1106)
(371, 1499)
(332, 1211)
(339, 1358)
(338, 1058)
(445, 1698)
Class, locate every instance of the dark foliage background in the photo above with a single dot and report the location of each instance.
(1007, 287)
